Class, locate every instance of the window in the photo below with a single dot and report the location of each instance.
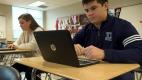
(17, 11)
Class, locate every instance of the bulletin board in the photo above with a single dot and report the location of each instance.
(2, 27)
(72, 23)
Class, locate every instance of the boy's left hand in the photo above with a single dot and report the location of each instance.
(93, 52)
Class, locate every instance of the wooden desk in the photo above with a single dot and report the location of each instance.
(102, 71)
(3, 40)
(15, 51)
(7, 57)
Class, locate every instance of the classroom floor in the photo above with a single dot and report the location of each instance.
(54, 77)
(43, 76)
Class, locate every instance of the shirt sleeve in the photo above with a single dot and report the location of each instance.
(79, 37)
(132, 42)
(31, 45)
(18, 41)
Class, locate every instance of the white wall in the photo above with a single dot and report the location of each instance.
(134, 15)
(6, 10)
(2, 27)
(62, 12)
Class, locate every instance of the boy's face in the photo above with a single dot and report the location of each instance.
(95, 11)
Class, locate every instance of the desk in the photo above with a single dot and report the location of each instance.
(3, 40)
(15, 51)
(11, 55)
(101, 71)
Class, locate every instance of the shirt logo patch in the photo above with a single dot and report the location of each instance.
(108, 36)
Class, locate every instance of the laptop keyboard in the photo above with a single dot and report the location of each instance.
(83, 61)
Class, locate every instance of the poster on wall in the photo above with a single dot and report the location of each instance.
(72, 23)
(117, 12)
(114, 12)
(111, 12)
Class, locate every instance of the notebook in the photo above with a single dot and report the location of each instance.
(57, 46)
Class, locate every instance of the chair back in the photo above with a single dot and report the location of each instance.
(9, 73)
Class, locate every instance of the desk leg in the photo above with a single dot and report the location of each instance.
(35, 75)
(138, 75)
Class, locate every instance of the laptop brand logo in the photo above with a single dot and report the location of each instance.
(53, 47)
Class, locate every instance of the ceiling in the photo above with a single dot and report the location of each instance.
(123, 3)
(58, 3)
(50, 3)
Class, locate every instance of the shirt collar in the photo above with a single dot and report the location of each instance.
(108, 22)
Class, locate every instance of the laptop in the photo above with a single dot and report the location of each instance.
(57, 46)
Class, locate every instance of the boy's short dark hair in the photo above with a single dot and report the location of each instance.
(99, 1)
